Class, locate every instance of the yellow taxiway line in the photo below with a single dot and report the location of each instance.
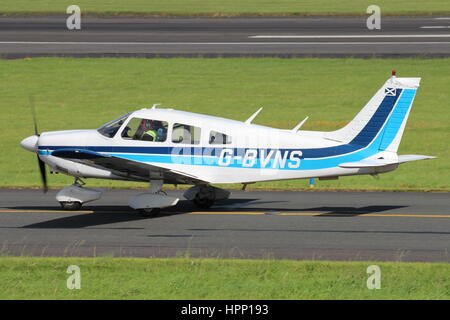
(43, 211)
(326, 214)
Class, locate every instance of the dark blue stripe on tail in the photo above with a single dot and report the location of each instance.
(375, 124)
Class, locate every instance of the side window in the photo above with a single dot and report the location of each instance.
(219, 138)
(145, 130)
(183, 133)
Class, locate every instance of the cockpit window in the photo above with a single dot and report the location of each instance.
(145, 130)
(110, 129)
(183, 133)
(219, 138)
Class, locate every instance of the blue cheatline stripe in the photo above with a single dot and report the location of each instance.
(397, 118)
(311, 158)
(203, 161)
(45, 152)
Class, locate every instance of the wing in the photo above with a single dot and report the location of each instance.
(133, 170)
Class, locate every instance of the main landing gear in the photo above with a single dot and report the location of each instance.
(204, 196)
(150, 203)
(147, 204)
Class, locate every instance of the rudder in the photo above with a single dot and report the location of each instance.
(393, 130)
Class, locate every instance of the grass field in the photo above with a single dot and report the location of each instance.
(227, 7)
(85, 93)
(184, 278)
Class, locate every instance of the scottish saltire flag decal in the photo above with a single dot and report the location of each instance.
(390, 92)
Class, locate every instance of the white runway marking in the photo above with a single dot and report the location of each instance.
(435, 27)
(221, 43)
(350, 36)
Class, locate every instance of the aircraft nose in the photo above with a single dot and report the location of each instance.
(30, 143)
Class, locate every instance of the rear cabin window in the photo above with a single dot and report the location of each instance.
(145, 130)
(187, 134)
(219, 138)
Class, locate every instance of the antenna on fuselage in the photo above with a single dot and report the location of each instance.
(297, 127)
(155, 105)
(253, 116)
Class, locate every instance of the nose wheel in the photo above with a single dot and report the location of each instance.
(149, 212)
(70, 205)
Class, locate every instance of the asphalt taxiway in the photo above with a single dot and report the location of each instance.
(389, 226)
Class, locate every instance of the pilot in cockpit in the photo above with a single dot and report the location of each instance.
(151, 130)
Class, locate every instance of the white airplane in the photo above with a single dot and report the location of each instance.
(175, 147)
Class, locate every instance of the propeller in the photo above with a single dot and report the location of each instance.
(40, 162)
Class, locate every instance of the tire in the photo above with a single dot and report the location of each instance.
(71, 205)
(149, 212)
(204, 203)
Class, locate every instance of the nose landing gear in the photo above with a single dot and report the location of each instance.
(72, 197)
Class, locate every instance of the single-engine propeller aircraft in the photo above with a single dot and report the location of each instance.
(160, 146)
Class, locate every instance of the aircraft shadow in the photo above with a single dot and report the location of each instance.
(321, 211)
(104, 215)
(351, 211)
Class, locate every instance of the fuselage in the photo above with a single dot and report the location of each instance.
(216, 150)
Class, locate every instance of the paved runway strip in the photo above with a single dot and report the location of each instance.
(254, 36)
(279, 224)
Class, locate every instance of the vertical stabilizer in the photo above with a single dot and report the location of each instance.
(384, 116)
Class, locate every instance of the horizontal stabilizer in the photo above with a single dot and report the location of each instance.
(374, 163)
(413, 157)
(366, 164)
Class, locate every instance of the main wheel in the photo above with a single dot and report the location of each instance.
(149, 212)
(71, 205)
(203, 203)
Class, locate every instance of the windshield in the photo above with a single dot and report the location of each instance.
(111, 128)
